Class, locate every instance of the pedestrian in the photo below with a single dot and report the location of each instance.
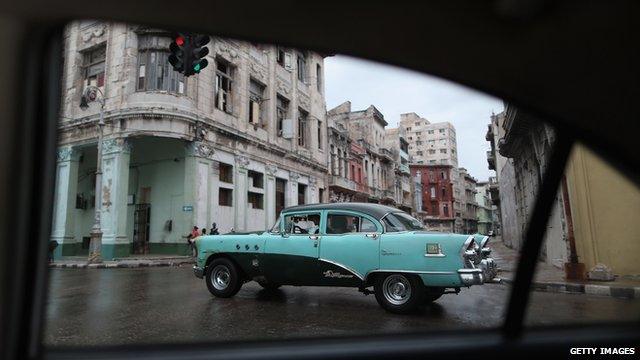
(191, 238)
(204, 231)
(214, 229)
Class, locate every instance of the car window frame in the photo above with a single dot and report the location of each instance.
(377, 223)
(302, 212)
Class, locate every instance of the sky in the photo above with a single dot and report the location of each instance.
(394, 91)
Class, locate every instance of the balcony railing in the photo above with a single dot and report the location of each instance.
(404, 168)
(491, 160)
(343, 182)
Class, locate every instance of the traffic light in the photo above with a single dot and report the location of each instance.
(188, 52)
(177, 48)
(199, 51)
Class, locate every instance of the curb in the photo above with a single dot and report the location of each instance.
(620, 292)
(121, 265)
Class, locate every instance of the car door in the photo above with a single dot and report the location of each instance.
(349, 248)
(291, 256)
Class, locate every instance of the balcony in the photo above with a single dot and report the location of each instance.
(404, 168)
(491, 160)
(342, 182)
(404, 154)
(386, 154)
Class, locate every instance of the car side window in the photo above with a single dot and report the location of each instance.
(297, 224)
(367, 226)
(342, 224)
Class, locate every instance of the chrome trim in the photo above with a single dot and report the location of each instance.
(344, 267)
(435, 255)
(412, 272)
(484, 242)
(470, 271)
(198, 271)
(471, 276)
(466, 245)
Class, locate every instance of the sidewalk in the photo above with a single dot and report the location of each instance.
(80, 262)
(551, 279)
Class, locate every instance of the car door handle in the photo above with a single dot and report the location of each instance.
(314, 237)
(371, 235)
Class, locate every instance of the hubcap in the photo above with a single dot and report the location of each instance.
(396, 289)
(220, 277)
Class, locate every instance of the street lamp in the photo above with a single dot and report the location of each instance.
(89, 95)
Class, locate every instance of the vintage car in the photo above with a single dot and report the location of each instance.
(356, 245)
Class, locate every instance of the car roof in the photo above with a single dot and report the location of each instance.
(375, 210)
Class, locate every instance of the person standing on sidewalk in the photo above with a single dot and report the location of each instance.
(214, 229)
(204, 231)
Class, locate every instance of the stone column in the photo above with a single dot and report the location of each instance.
(198, 165)
(312, 190)
(270, 193)
(292, 199)
(116, 154)
(62, 229)
(241, 188)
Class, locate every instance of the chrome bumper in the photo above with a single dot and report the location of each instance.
(471, 276)
(198, 271)
(489, 269)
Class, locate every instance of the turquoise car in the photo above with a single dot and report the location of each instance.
(356, 245)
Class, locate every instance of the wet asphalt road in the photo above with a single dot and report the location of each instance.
(169, 305)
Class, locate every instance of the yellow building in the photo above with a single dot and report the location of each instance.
(605, 209)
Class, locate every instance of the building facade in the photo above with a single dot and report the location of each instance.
(436, 196)
(469, 210)
(366, 132)
(524, 143)
(395, 141)
(435, 144)
(484, 213)
(232, 145)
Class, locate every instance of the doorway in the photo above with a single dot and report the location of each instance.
(142, 220)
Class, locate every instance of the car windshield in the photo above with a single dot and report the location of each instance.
(400, 221)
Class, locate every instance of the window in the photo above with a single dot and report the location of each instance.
(256, 91)
(444, 192)
(256, 200)
(302, 127)
(433, 192)
(419, 153)
(226, 173)
(155, 73)
(297, 224)
(283, 58)
(400, 221)
(302, 192)
(223, 86)
(318, 77)
(94, 64)
(418, 143)
(302, 67)
(320, 134)
(431, 151)
(441, 131)
(225, 197)
(341, 224)
(282, 112)
(430, 131)
(442, 175)
(445, 209)
(443, 151)
(256, 179)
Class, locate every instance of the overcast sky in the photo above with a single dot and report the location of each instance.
(394, 91)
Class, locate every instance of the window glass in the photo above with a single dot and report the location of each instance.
(341, 224)
(367, 225)
(297, 224)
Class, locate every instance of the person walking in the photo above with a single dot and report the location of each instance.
(191, 240)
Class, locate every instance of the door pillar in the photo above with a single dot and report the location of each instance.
(270, 194)
(116, 154)
(241, 188)
(62, 230)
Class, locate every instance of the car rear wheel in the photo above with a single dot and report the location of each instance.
(399, 293)
(432, 294)
(223, 279)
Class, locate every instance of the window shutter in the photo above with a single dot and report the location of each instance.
(255, 112)
(287, 128)
(288, 60)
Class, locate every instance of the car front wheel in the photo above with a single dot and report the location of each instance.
(399, 293)
(222, 278)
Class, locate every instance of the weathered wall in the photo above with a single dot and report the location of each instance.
(605, 208)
